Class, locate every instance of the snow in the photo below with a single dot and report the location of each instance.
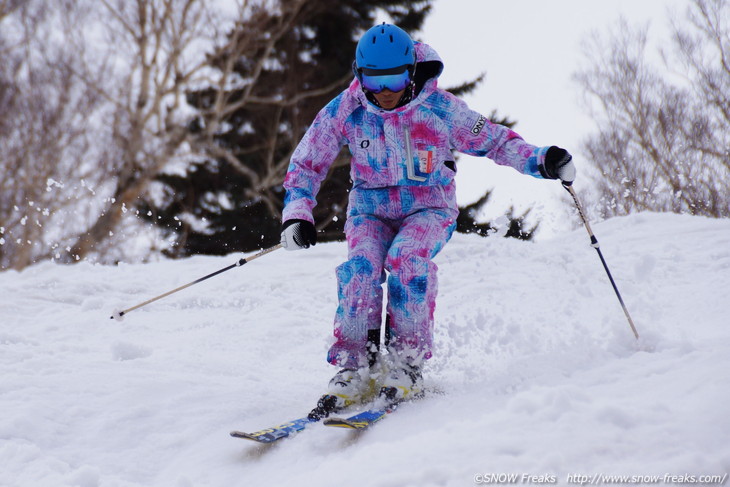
(539, 369)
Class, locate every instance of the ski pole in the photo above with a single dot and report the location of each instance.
(119, 315)
(594, 244)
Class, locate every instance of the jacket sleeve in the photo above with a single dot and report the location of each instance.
(473, 134)
(310, 163)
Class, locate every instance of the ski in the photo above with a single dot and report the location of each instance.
(325, 406)
(276, 433)
(361, 420)
(383, 406)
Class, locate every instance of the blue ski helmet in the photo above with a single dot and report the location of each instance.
(384, 46)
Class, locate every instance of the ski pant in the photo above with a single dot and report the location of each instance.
(384, 245)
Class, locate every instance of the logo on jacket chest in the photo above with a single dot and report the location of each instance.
(364, 144)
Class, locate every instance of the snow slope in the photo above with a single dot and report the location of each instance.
(540, 372)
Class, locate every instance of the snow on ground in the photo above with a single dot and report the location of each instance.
(540, 372)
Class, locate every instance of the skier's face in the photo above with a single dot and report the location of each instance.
(388, 99)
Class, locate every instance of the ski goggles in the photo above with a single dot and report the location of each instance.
(377, 80)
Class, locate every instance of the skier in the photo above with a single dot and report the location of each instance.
(401, 130)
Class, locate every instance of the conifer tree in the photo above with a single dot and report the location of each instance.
(232, 200)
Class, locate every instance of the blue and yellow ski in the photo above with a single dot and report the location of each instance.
(361, 420)
(276, 433)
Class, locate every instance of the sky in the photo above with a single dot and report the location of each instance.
(529, 49)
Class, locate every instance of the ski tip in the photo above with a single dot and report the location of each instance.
(240, 434)
(249, 436)
(343, 423)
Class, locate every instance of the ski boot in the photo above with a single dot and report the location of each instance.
(347, 387)
(402, 383)
(353, 386)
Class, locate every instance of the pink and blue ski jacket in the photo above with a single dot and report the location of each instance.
(411, 146)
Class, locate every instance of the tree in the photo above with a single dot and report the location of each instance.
(91, 95)
(232, 200)
(115, 75)
(96, 124)
(466, 222)
(147, 131)
(42, 136)
(663, 137)
(281, 69)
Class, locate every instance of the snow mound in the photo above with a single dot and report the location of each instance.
(540, 371)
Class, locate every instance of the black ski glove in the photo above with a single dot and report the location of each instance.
(558, 165)
(298, 234)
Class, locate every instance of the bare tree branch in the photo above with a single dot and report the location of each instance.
(662, 146)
